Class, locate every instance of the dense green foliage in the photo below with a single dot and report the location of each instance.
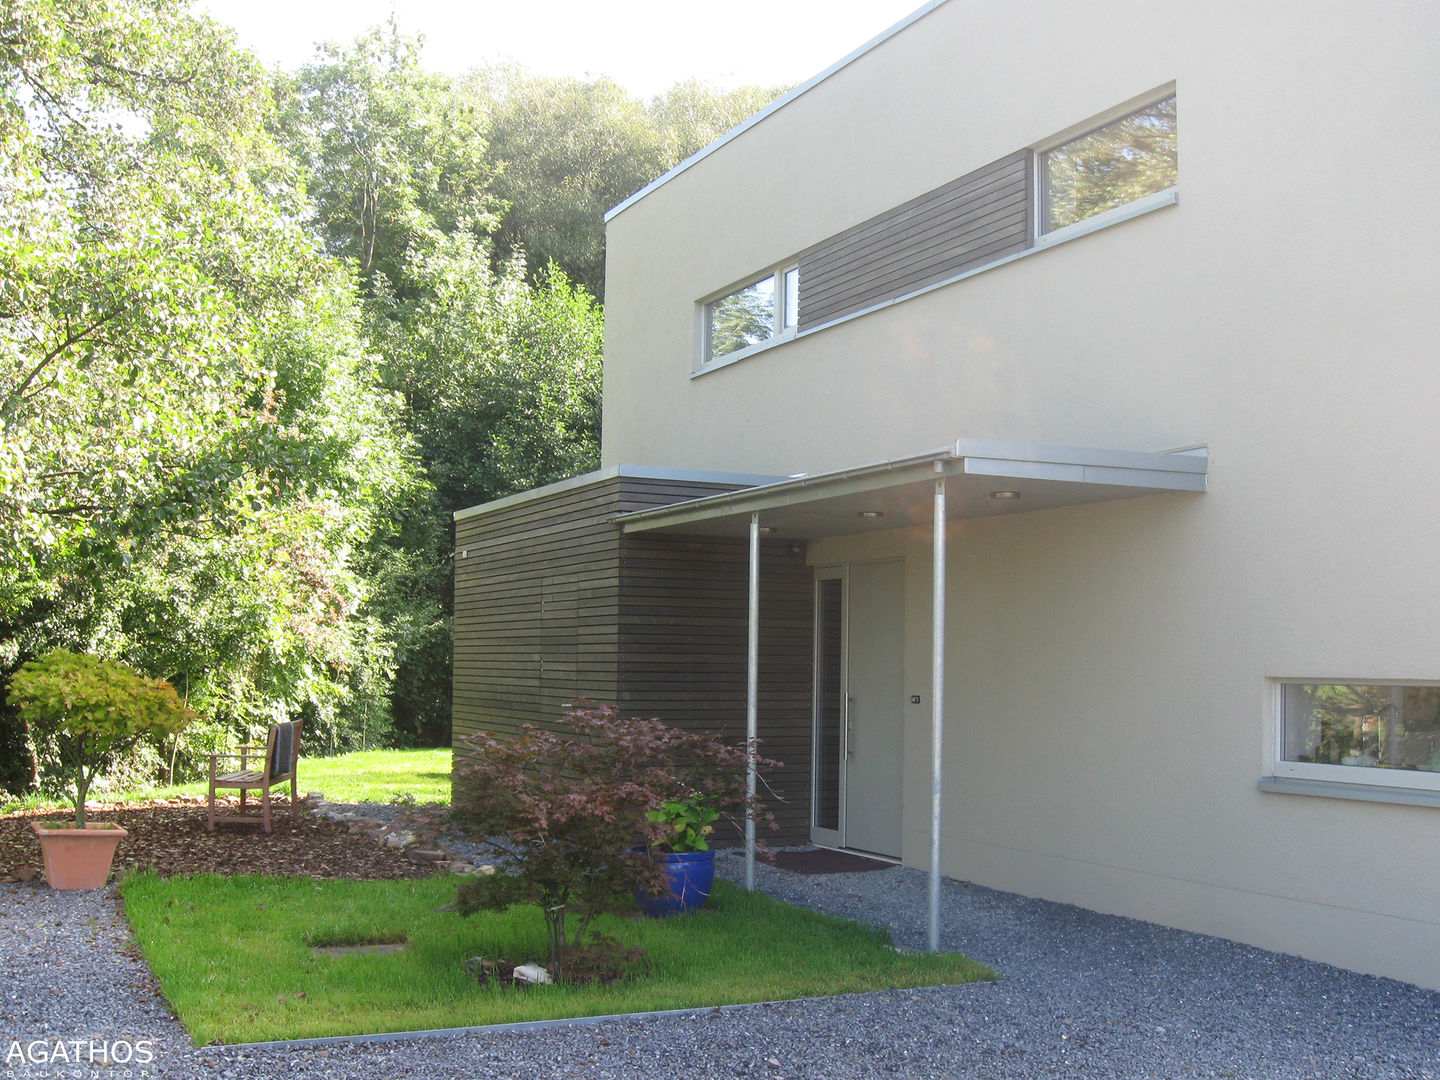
(193, 444)
(86, 712)
(499, 376)
(258, 341)
(688, 823)
(571, 149)
(391, 155)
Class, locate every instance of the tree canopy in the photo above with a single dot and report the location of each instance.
(570, 149)
(261, 333)
(389, 152)
(192, 436)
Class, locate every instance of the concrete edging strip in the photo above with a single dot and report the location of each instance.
(519, 1025)
(562, 1022)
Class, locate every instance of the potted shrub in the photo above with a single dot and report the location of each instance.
(87, 713)
(684, 851)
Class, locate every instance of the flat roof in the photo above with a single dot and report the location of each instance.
(611, 472)
(898, 493)
(776, 105)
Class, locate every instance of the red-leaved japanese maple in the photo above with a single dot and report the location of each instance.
(563, 810)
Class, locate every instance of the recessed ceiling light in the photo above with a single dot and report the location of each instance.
(767, 528)
(871, 515)
(1004, 494)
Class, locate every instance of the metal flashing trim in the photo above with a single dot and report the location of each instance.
(1328, 789)
(1083, 465)
(787, 492)
(611, 472)
(775, 106)
(1192, 460)
(541, 1025)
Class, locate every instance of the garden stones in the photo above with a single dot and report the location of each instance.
(393, 836)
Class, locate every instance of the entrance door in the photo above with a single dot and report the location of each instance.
(859, 706)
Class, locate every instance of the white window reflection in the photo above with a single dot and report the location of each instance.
(1116, 164)
(754, 315)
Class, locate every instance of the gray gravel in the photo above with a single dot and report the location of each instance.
(1083, 995)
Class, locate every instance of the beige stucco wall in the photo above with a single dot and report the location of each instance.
(1108, 665)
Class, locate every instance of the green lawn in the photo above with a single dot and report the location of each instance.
(234, 957)
(364, 776)
(378, 775)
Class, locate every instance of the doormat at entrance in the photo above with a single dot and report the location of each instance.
(825, 861)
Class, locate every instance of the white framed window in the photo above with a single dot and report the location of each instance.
(1109, 172)
(1115, 166)
(752, 316)
(1376, 734)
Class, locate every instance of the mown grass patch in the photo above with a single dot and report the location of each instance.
(364, 776)
(380, 775)
(235, 957)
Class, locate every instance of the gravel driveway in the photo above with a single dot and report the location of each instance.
(1083, 995)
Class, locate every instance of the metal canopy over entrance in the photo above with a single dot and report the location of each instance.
(973, 478)
(809, 507)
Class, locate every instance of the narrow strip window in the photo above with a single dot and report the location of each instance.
(1113, 165)
(753, 315)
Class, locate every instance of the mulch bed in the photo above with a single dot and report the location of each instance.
(170, 838)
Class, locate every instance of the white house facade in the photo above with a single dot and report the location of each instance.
(1137, 302)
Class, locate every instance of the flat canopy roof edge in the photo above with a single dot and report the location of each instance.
(643, 472)
(1038, 476)
(1189, 460)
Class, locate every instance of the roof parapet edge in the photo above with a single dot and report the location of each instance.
(775, 106)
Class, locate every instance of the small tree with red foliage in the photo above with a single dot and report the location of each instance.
(564, 810)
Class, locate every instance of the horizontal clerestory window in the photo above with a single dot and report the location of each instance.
(1122, 164)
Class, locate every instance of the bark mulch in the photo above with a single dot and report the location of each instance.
(170, 838)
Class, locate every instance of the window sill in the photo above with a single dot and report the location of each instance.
(745, 353)
(1332, 789)
(1133, 209)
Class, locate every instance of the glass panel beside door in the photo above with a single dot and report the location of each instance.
(829, 703)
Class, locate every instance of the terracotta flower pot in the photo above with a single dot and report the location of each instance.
(78, 858)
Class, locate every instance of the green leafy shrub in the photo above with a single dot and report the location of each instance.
(688, 824)
(90, 713)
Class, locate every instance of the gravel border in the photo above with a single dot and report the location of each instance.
(1083, 995)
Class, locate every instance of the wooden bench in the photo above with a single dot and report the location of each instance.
(277, 759)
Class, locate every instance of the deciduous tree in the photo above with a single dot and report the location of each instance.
(182, 380)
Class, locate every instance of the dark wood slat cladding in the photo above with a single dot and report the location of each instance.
(536, 598)
(683, 639)
(552, 602)
(982, 216)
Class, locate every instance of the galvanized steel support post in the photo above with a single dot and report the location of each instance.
(937, 707)
(752, 699)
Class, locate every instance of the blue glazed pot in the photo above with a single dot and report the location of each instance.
(691, 873)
